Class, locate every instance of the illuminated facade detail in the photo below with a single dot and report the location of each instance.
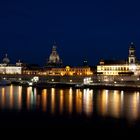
(111, 67)
(65, 71)
(33, 72)
(87, 80)
(10, 70)
(6, 68)
(54, 59)
(71, 71)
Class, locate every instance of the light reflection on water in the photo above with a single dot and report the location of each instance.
(118, 104)
(11, 97)
(87, 102)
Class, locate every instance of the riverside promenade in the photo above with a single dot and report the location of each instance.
(131, 83)
(113, 86)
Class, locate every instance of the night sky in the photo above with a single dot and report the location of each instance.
(82, 29)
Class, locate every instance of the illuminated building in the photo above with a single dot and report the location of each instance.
(64, 71)
(71, 71)
(6, 68)
(54, 67)
(54, 59)
(113, 67)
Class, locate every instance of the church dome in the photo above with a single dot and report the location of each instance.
(54, 56)
(6, 60)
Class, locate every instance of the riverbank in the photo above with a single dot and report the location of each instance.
(131, 85)
(117, 86)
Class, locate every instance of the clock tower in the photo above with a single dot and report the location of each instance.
(132, 57)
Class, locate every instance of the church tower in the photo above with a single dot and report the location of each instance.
(132, 57)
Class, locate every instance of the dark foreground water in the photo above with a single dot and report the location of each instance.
(68, 108)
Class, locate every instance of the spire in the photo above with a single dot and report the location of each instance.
(132, 46)
(132, 43)
(6, 55)
(54, 43)
(19, 61)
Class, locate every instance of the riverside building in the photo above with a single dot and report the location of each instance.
(7, 68)
(62, 71)
(71, 71)
(121, 67)
(55, 67)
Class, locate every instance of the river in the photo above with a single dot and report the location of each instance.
(32, 107)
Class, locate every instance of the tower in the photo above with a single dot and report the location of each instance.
(132, 57)
(85, 62)
(19, 63)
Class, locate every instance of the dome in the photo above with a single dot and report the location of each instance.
(67, 68)
(54, 57)
(6, 60)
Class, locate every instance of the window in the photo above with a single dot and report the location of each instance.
(132, 61)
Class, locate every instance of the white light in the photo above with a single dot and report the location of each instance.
(70, 80)
(115, 82)
(35, 79)
(87, 80)
(52, 80)
(30, 83)
(133, 67)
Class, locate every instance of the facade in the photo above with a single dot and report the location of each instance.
(65, 71)
(128, 67)
(71, 71)
(10, 70)
(6, 68)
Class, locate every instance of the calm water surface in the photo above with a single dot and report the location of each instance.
(52, 107)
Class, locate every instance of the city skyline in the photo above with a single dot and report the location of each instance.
(55, 45)
(72, 65)
(81, 29)
(64, 64)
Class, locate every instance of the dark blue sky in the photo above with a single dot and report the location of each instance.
(92, 28)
